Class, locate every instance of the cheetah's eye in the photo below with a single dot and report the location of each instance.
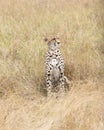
(58, 42)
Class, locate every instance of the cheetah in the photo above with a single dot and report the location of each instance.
(54, 66)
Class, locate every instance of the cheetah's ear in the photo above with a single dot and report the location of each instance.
(46, 39)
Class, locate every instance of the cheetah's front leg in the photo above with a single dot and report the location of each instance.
(61, 81)
(49, 87)
(49, 81)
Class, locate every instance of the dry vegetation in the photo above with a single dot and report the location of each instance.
(23, 25)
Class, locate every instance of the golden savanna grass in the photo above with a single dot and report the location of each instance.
(23, 26)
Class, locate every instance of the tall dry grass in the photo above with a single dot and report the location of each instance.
(81, 109)
(23, 26)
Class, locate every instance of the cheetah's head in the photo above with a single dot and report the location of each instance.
(53, 43)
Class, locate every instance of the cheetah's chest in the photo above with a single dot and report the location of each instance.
(55, 70)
